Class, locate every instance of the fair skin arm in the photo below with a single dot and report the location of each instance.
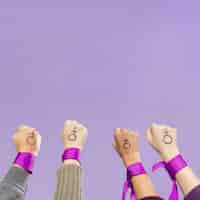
(71, 162)
(26, 139)
(79, 139)
(142, 184)
(186, 179)
(14, 184)
(69, 178)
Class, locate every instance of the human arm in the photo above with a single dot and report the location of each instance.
(14, 183)
(69, 175)
(164, 140)
(126, 143)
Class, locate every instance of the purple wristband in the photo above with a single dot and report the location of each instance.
(25, 160)
(71, 153)
(133, 170)
(175, 165)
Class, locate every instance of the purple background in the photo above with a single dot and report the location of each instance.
(108, 64)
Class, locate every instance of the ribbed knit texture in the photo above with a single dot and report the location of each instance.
(69, 183)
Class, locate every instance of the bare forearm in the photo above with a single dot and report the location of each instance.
(143, 186)
(163, 139)
(186, 178)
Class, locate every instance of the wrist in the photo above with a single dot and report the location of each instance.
(134, 158)
(71, 155)
(170, 154)
(25, 160)
(68, 146)
(18, 166)
(27, 151)
(72, 161)
(135, 169)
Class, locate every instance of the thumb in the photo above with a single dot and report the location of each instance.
(149, 136)
(115, 147)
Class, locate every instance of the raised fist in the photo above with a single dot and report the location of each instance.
(27, 139)
(74, 135)
(126, 143)
(163, 139)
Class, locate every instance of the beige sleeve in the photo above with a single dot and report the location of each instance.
(69, 183)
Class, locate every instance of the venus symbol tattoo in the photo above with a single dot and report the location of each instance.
(73, 136)
(31, 139)
(126, 144)
(167, 138)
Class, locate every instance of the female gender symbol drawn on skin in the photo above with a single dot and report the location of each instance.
(126, 144)
(167, 138)
(31, 139)
(73, 136)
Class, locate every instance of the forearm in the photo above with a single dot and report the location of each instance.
(14, 184)
(69, 182)
(69, 176)
(143, 186)
(163, 140)
(185, 178)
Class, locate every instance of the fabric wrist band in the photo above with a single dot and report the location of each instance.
(71, 153)
(25, 160)
(133, 170)
(173, 167)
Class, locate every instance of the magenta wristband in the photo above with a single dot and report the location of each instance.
(175, 165)
(71, 153)
(132, 170)
(25, 160)
(135, 170)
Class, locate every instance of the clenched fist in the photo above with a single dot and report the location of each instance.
(163, 139)
(74, 135)
(27, 139)
(126, 143)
